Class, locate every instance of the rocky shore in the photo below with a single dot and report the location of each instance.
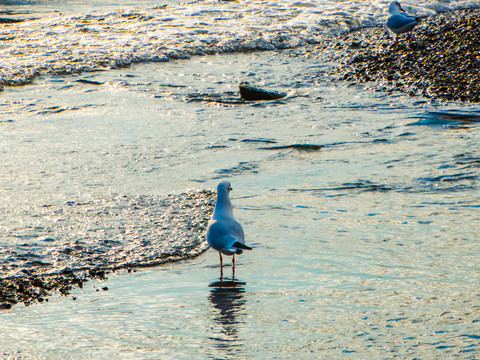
(439, 59)
(28, 290)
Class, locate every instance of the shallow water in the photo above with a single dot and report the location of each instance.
(362, 209)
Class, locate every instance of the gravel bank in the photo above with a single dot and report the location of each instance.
(439, 59)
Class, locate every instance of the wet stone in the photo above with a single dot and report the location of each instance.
(5, 306)
(254, 93)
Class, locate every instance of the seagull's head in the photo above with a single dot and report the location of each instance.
(224, 187)
(395, 7)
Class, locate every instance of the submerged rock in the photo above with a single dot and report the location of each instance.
(252, 93)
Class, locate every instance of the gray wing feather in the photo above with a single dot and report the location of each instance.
(222, 234)
(400, 23)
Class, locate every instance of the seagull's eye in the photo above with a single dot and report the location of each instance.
(230, 188)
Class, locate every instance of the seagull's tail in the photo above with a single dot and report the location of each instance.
(239, 245)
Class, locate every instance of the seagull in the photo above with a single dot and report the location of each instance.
(399, 21)
(224, 233)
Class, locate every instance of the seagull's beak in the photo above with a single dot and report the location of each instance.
(400, 8)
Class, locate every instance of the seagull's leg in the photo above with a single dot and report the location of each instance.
(396, 42)
(233, 266)
(221, 264)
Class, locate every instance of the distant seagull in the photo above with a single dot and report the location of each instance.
(224, 233)
(399, 21)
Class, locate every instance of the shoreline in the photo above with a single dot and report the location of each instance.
(425, 63)
(171, 228)
(38, 288)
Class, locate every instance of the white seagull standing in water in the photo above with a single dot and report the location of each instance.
(224, 233)
(399, 21)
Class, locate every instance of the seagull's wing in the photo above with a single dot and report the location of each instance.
(223, 234)
(400, 23)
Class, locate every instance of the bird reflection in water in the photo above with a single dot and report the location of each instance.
(227, 298)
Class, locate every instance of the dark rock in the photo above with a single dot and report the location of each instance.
(66, 270)
(5, 306)
(250, 92)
